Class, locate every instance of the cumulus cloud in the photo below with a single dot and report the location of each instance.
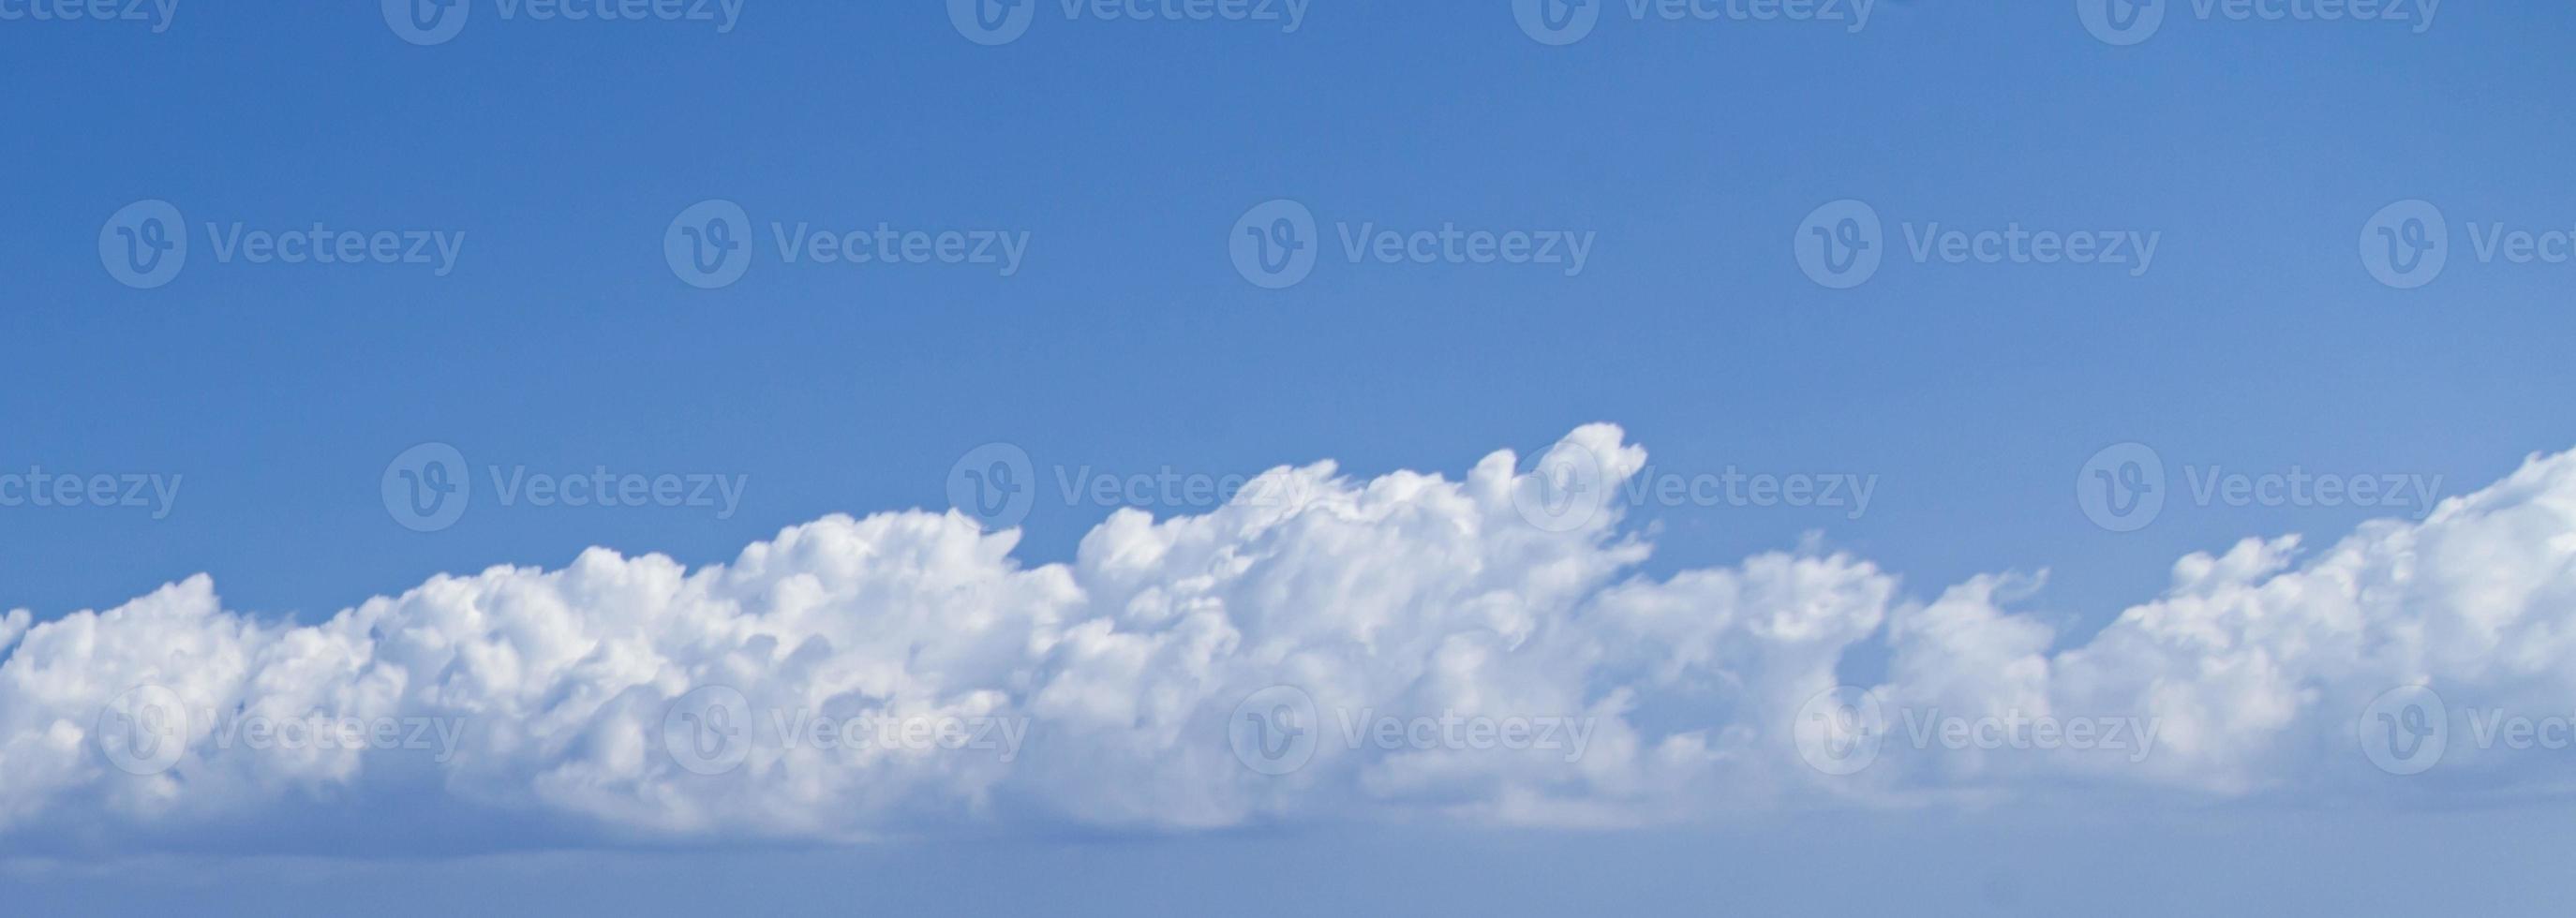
(1400, 647)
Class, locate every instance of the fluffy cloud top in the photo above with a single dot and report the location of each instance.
(1443, 658)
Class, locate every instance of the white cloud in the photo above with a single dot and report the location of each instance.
(1102, 692)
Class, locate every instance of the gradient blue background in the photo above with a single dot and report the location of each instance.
(1129, 343)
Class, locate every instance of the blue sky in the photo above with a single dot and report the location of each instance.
(557, 155)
